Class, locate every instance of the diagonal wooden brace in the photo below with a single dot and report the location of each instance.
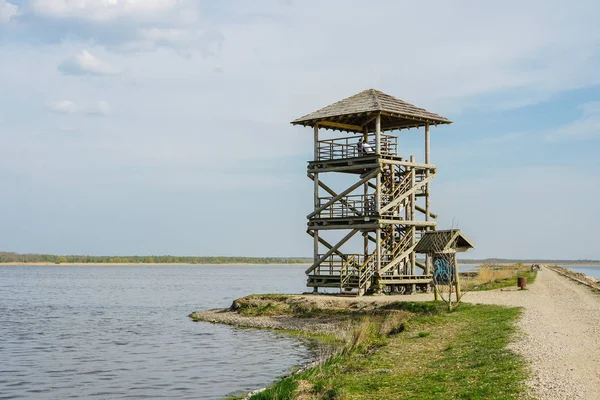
(371, 175)
(327, 244)
(333, 193)
(331, 251)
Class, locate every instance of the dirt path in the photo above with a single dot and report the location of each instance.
(561, 335)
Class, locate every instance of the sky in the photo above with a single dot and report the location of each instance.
(162, 126)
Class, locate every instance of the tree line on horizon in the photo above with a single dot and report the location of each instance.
(8, 257)
(11, 257)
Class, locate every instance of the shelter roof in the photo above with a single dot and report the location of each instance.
(358, 112)
(441, 241)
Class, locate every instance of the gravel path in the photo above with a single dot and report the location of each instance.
(561, 335)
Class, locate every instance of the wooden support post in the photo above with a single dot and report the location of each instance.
(427, 205)
(378, 255)
(427, 188)
(366, 196)
(316, 200)
(413, 231)
(367, 184)
(456, 279)
(378, 134)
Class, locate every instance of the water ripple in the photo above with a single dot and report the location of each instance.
(115, 333)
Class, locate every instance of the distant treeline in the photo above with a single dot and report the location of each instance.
(6, 257)
(524, 261)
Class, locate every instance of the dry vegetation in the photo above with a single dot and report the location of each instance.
(497, 276)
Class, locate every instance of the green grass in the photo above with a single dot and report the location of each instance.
(456, 355)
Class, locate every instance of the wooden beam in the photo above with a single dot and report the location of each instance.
(333, 193)
(344, 193)
(331, 251)
(411, 164)
(349, 127)
(345, 168)
(334, 227)
(421, 209)
(364, 125)
(325, 243)
(406, 222)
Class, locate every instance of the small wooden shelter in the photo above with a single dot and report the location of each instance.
(441, 247)
(387, 200)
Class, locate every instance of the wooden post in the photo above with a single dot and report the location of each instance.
(316, 200)
(456, 280)
(378, 134)
(378, 255)
(365, 203)
(427, 209)
(378, 194)
(366, 190)
(378, 151)
(427, 204)
(413, 233)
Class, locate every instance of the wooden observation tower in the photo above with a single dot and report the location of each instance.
(382, 196)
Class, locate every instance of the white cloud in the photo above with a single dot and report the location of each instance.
(587, 126)
(63, 107)
(86, 63)
(7, 11)
(101, 109)
(101, 10)
(121, 25)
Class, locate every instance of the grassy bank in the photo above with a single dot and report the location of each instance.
(491, 277)
(407, 351)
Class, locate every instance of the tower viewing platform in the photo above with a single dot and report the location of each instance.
(373, 192)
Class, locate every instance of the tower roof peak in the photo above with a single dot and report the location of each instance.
(355, 113)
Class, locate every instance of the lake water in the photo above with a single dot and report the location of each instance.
(589, 271)
(115, 332)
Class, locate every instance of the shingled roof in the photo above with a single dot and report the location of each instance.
(441, 241)
(358, 112)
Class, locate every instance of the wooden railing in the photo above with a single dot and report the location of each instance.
(348, 206)
(347, 147)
